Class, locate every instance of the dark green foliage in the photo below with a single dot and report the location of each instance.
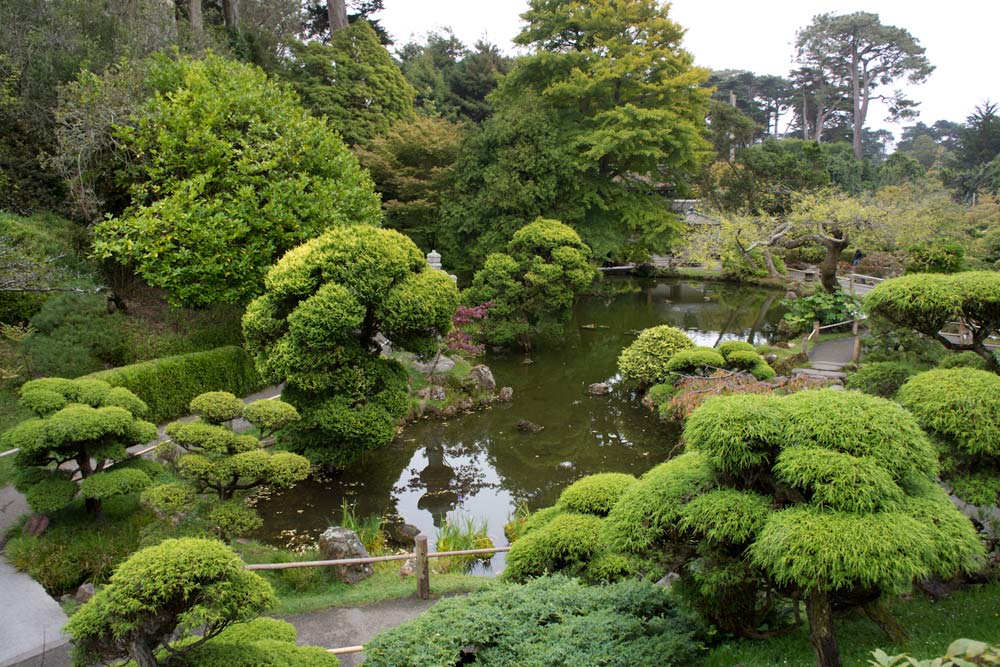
(152, 594)
(352, 81)
(650, 510)
(967, 359)
(595, 494)
(565, 543)
(78, 547)
(229, 172)
(533, 286)
(75, 335)
(645, 361)
(314, 329)
(881, 378)
(937, 256)
(699, 359)
(167, 385)
(552, 621)
(79, 421)
(822, 306)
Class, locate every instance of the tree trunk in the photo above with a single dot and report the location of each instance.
(856, 94)
(821, 633)
(337, 10)
(142, 654)
(194, 17)
(828, 267)
(231, 14)
(772, 272)
(883, 618)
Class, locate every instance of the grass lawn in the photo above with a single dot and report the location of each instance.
(973, 613)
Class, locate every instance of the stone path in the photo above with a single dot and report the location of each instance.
(828, 359)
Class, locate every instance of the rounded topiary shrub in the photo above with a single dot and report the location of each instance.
(595, 494)
(762, 370)
(216, 407)
(743, 360)
(965, 359)
(565, 543)
(882, 378)
(694, 360)
(961, 405)
(645, 361)
(727, 347)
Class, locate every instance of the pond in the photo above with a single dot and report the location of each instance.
(481, 466)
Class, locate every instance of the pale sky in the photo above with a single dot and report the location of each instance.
(960, 38)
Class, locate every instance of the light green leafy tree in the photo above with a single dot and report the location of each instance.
(315, 328)
(81, 428)
(229, 172)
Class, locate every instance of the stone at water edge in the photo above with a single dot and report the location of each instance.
(483, 377)
(438, 393)
(336, 543)
(439, 364)
(598, 389)
(506, 395)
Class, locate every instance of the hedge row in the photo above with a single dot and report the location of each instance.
(167, 385)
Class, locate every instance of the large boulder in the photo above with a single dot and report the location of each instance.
(336, 543)
(483, 377)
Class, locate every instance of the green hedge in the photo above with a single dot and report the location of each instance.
(167, 385)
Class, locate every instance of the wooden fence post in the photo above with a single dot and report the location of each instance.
(857, 342)
(423, 568)
(852, 282)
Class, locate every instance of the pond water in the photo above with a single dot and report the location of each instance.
(481, 466)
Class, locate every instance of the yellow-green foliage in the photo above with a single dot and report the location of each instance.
(168, 500)
(966, 359)
(650, 509)
(167, 385)
(881, 378)
(79, 420)
(726, 515)
(270, 416)
(262, 641)
(696, 359)
(726, 348)
(595, 494)
(837, 480)
(174, 586)
(738, 433)
(216, 407)
(960, 405)
(533, 286)
(314, 329)
(743, 360)
(565, 543)
(762, 370)
(232, 518)
(645, 361)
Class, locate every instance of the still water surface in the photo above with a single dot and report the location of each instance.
(481, 466)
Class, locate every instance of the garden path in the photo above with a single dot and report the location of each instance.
(828, 359)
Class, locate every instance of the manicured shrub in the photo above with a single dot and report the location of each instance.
(966, 359)
(314, 329)
(609, 567)
(826, 494)
(533, 286)
(78, 421)
(270, 416)
(552, 621)
(565, 543)
(216, 407)
(152, 598)
(167, 385)
(595, 494)
(696, 360)
(762, 370)
(650, 509)
(881, 378)
(169, 501)
(644, 362)
(727, 347)
(743, 360)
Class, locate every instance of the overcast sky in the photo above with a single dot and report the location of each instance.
(960, 38)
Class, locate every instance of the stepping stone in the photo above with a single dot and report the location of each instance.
(812, 372)
(827, 366)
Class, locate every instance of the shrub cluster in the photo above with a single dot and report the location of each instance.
(167, 385)
(645, 361)
(881, 378)
(553, 621)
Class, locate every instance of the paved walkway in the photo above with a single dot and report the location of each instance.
(828, 359)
